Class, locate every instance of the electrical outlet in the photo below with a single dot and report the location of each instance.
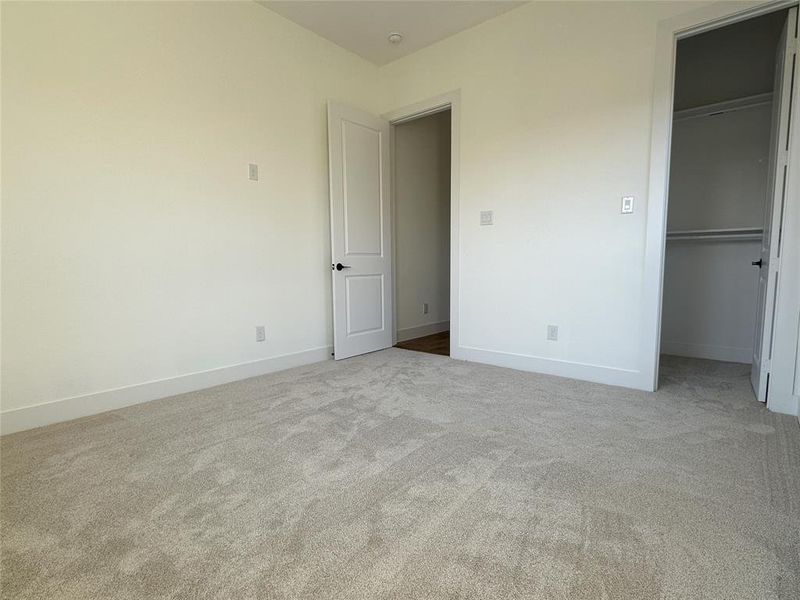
(424, 308)
(552, 333)
(252, 172)
(261, 333)
(487, 217)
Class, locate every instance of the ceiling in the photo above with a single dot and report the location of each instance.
(364, 27)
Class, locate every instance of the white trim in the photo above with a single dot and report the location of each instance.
(66, 409)
(723, 107)
(410, 333)
(785, 404)
(552, 366)
(424, 108)
(451, 101)
(783, 394)
(393, 225)
(669, 31)
(723, 353)
(417, 114)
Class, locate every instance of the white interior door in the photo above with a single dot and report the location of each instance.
(769, 261)
(361, 265)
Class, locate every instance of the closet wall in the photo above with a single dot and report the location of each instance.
(718, 182)
(718, 177)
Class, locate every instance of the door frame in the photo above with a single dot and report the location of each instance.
(449, 101)
(669, 32)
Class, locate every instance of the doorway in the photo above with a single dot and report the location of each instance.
(363, 237)
(421, 219)
(728, 161)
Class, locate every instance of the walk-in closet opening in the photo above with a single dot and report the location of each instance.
(422, 232)
(725, 197)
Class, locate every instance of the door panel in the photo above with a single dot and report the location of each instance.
(364, 303)
(773, 207)
(361, 147)
(358, 147)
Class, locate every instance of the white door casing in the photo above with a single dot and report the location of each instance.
(773, 207)
(361, 262)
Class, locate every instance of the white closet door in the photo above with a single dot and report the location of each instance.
(358, 147)
(768, 262)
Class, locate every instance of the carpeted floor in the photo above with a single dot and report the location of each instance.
(407, 475)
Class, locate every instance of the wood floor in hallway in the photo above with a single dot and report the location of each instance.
(438, 343)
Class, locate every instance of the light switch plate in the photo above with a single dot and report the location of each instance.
(487, 217)
(627, 205)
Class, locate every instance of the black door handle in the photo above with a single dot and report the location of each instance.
(757, 263)
(340, 266)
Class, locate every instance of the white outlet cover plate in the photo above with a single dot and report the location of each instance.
(627, 205)
(487, 217)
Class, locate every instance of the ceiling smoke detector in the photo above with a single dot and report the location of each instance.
(395, 38)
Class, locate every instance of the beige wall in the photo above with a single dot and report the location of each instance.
(555, 129)
(422, 222)
(134, 248)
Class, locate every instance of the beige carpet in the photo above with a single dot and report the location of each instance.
(407, 475)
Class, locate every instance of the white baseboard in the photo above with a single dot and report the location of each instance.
(786, 404)
(723, 353)
(66, 409)
(552, 366)
(410, 333)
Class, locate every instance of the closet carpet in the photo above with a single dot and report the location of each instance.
(407, 475)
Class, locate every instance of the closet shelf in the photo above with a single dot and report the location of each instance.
(733, 235)
(710, 110)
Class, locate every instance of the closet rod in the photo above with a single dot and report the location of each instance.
(740, 234)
